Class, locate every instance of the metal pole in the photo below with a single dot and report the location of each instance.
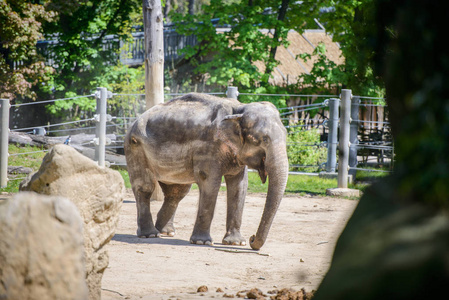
(332, 136)
(100, 130)
(4, 136)
(343, 145)
(353, 132)
(232, 92)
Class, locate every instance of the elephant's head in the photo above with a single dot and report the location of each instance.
(257, 137)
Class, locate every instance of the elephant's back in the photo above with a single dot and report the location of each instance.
(198, 99)
(190, 117)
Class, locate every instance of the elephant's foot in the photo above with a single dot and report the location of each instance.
(168, 230)
(168, 233)
(149, 233)
(201, 239)
(234, 238)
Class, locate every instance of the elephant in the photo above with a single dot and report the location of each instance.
(199, 138)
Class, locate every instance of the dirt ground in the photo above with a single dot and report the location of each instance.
(296, 254)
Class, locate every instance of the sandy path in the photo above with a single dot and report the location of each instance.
(299, 245)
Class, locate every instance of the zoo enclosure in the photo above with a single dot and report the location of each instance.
(359, 141)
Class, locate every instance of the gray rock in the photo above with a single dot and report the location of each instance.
(41, 249)
(343, 192)
(98, 194)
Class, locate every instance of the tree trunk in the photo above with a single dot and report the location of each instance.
(167, 8)
(154, 60)
(281, 17)
(191, 7)
(154, 52)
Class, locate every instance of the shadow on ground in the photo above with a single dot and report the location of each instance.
(133, 239)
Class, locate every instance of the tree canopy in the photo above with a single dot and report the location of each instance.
(395, 244)
(228, 56)
(21, 67)
(75, 32)
(82, 59)
(81, 53)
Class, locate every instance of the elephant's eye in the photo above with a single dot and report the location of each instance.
(265, 139)
(253, 140)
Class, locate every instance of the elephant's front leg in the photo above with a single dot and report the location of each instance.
(236, 186)
(208, 184)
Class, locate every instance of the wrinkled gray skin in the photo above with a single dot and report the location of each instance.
(199, 139)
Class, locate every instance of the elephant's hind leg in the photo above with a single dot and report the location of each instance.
(173, 195)
(143, 185)
(145, 225)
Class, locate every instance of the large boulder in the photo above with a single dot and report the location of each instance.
(41, 249)
(98, 194)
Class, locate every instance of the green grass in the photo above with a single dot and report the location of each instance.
(371, 176)
(125, 176)
(297, 184)
(31, 160)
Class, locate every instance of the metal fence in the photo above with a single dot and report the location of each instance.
(130, 52)
(359, 143)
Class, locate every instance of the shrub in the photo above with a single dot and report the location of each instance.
(304, 149)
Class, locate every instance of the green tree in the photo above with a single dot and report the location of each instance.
(325, 74)
(80, 53)
(182, 6)
(351, 23)
(395, 244)
(231, 56)
(21, 67)
(234, 53)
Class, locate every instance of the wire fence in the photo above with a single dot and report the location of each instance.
(307, 119)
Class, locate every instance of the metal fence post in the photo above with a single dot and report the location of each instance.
(4, 136)
(343, 145)
(353, 133)
(232, 92)
(332, 135)
(100, 130)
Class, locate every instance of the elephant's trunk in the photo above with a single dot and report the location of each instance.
(276, 165)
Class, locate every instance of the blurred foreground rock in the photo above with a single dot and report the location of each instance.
(41, 249)
(390, 250)
(98, 194)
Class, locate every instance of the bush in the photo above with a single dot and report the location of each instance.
(304, 149)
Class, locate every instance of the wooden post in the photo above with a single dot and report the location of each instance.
(154, 61)
(154, 52)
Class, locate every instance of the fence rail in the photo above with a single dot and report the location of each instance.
(342, 132)
(131, 52)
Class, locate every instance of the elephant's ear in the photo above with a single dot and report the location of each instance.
(230, 131)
